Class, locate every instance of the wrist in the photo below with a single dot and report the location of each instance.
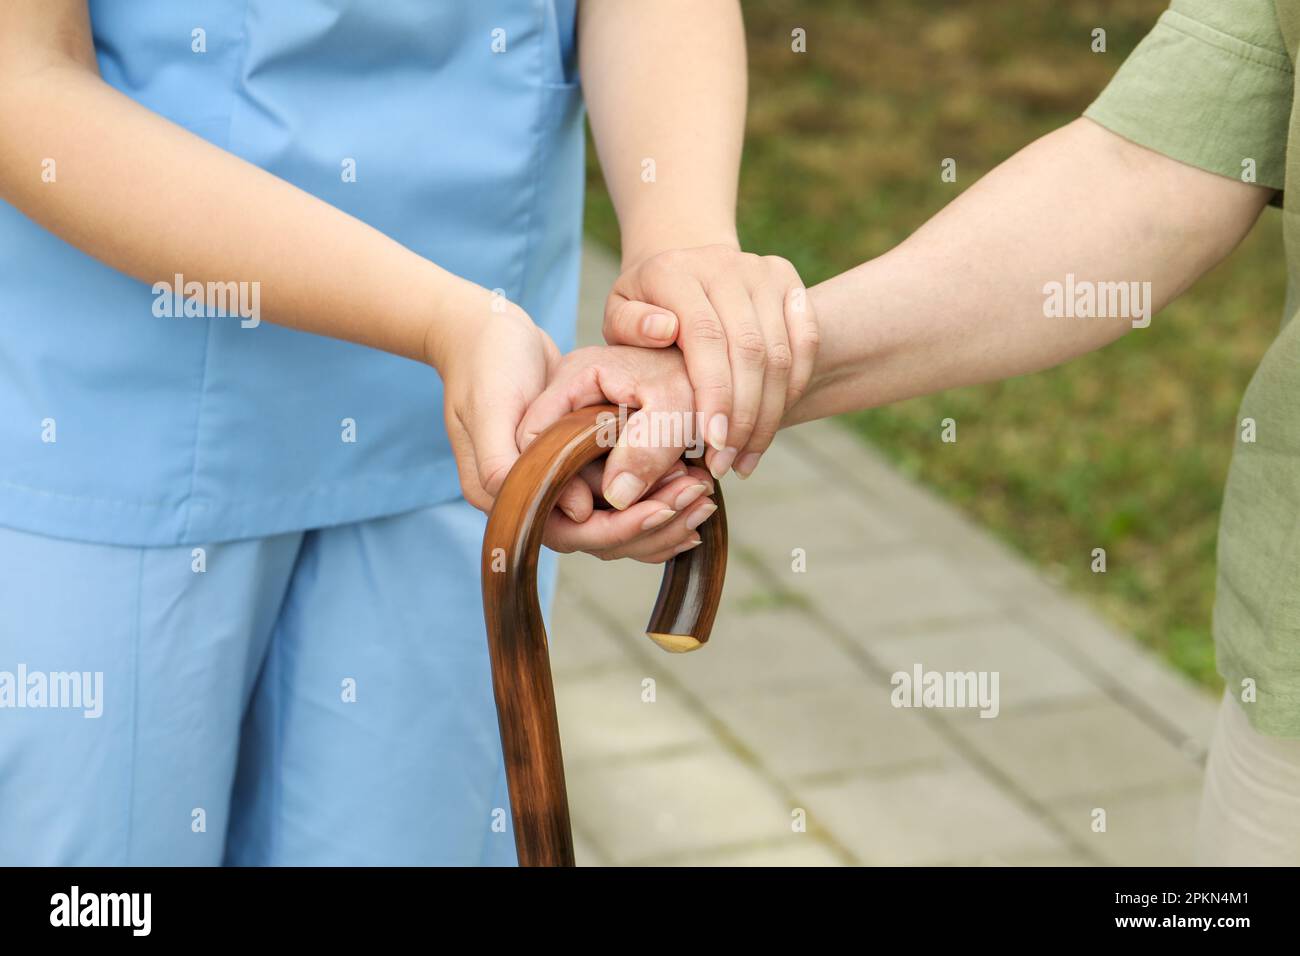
(890, 329)
(859, 348)
(464, 312)
(642, 244)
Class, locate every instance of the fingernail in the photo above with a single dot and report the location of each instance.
(569, 513)
(717, 431)
(721, 462)
(659, 326)
(657, 520)
(688, 545)
(688, 495)
(746, 464)
(624, 490)
(700, 516)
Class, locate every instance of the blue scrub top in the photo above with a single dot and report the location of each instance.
(119, 426)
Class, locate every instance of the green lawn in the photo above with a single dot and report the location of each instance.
(1126, 449)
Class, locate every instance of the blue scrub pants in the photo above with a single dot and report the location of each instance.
(306, 699)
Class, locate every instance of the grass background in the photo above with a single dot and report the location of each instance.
(1125, 449)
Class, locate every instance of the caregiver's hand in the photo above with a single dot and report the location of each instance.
(493, 365)
(647, 456)
(746, 329)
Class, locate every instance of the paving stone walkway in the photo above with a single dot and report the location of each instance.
(785, 716)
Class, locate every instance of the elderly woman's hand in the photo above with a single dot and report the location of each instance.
(495, 374)
(655, 465)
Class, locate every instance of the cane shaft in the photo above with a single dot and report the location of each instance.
(521, 670)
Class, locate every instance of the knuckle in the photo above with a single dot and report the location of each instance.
(779, 357)
(623, 320)
(750, 347)
(586, 380)
(743, 420)
(625, 311)
(706, 327)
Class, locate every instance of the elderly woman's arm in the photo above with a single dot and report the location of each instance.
(963, 300)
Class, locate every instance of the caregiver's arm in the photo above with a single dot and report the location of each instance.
(665, 85)
(665, 82)
(962, 300)
(152, 200)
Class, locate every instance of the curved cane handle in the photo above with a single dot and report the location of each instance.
(521, 671)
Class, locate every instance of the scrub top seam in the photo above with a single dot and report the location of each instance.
(240, 64)
(539, 120)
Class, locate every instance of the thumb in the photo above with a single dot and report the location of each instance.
(492, 435)
(466, 464)
(631, 322)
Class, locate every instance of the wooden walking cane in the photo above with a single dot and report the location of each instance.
(521, 670)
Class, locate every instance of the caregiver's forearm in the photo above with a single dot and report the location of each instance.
(665, 86)
(962, 300)
(153, 200)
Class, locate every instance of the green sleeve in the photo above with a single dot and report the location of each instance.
(1211, 85)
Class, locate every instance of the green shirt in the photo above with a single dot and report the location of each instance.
(1213, 86)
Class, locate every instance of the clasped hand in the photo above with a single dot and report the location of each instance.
(709, 347)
